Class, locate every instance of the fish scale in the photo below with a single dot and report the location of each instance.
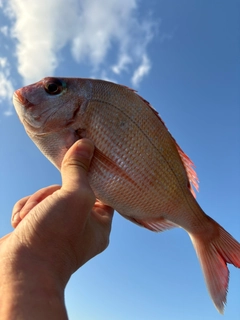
(158, 180)
(137, 168)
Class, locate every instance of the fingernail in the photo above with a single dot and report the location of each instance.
(84, 148)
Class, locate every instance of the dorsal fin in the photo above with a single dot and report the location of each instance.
(187, 162)
(191, 173)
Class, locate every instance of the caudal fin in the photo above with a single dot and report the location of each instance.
(214, 252)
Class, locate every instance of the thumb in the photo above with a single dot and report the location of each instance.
(75, 166)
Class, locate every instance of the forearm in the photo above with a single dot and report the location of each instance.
(26, 296)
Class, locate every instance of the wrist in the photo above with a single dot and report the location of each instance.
(29, 291)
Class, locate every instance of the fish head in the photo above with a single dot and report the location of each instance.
(51, 112)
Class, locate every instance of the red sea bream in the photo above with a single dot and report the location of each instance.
(138, 168)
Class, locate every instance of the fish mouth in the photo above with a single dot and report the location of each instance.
(23, 108)
(19, 98)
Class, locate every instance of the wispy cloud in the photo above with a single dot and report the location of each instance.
(6, 86)
(141, 71)
(122, 63)
(93, 29)
(4, 30)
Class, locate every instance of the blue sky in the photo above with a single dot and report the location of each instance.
(183, 57)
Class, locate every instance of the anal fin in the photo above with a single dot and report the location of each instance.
(157, 225)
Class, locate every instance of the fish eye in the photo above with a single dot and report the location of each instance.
(54, 86)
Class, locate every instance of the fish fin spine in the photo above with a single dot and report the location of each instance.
(154, 225)
(187, 162)
(191, 173)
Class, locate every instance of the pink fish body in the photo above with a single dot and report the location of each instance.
(138, 168)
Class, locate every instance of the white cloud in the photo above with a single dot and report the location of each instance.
(93, 29)
(3, 62)
(122, 63)
(100, 24)
(41, 30)
(141, 71)
(6, 86)
(4, 30)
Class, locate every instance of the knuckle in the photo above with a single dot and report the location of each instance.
(75, 163)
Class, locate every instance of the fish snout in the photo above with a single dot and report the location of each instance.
(20, 99)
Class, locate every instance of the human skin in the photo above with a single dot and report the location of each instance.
(57, 230)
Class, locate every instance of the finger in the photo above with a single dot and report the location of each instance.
(74, 171)
(15, 219)
(103, 215)
(19, 205)
(102, 209)
(23, 206)
(101, 221)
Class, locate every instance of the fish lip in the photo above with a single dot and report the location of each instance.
(22, 100)
(23, 106)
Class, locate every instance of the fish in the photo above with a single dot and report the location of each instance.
(137, 168)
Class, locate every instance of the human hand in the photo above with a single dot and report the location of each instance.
(58, 229)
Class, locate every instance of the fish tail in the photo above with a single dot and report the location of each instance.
(214, 252)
